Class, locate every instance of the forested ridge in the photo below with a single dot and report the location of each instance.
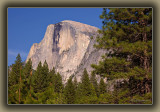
(125, 31)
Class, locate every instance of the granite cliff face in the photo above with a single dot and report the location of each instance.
(68, 47)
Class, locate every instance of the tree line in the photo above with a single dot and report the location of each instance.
(44, 86)
(125, 31)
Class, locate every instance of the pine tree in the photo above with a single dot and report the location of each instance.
(15, 81)
(28, 83)
(75, 83)
(69, 92)
(51, 76)
(45, 72)
(38, 79)
(79, 93)
(41, 78)
(128, 33)
(93, 80)
(102, 86)
(86, 87)
(28, 75)
(93, 92)
(28, 68)
(15, 73)
(58, 85)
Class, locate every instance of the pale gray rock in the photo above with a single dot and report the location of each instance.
(68, 47)
(92, 56)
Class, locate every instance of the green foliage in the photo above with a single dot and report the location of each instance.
(38, 79)
(111, 68)
(69, 92)
(28, 68)
(127, 33)
(51, 76)
(75, 83)
(81, 98)
(15, 81)
(15, 73)
(28, 82)
(93, 92)
(41, 77)
(91, 37)
(58, 86)
(78, 93)
(102, 87)
(87, 100)
(105, 99)
(73, 93)
(56, 99)
(142, 99)
(13, 94)
(45, 73)
(93, 81)
(86, 86)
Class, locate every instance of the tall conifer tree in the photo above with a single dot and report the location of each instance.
(69, 92)
(102, 86)
(58, 85)
(75, 83)
(38, 79)
(51, 76)
(45, 72)
(94, 82)
(128, 33)
(86, 86)
(15, 81)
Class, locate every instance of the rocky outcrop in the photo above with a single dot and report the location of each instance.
(67, 46)
(92, 56)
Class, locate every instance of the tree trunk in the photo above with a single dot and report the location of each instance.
(20, 86)
(147, 88)
(30, 82)
(146, 67)
(145, 53)
(19, 95)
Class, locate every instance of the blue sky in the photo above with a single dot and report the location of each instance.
(28, 25)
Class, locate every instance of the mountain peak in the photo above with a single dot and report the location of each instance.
(63, 46)
(81, 26)
(68, 21)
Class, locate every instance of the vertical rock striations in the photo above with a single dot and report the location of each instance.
(67, 46)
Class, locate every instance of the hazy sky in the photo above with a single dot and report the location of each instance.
(28, 25)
